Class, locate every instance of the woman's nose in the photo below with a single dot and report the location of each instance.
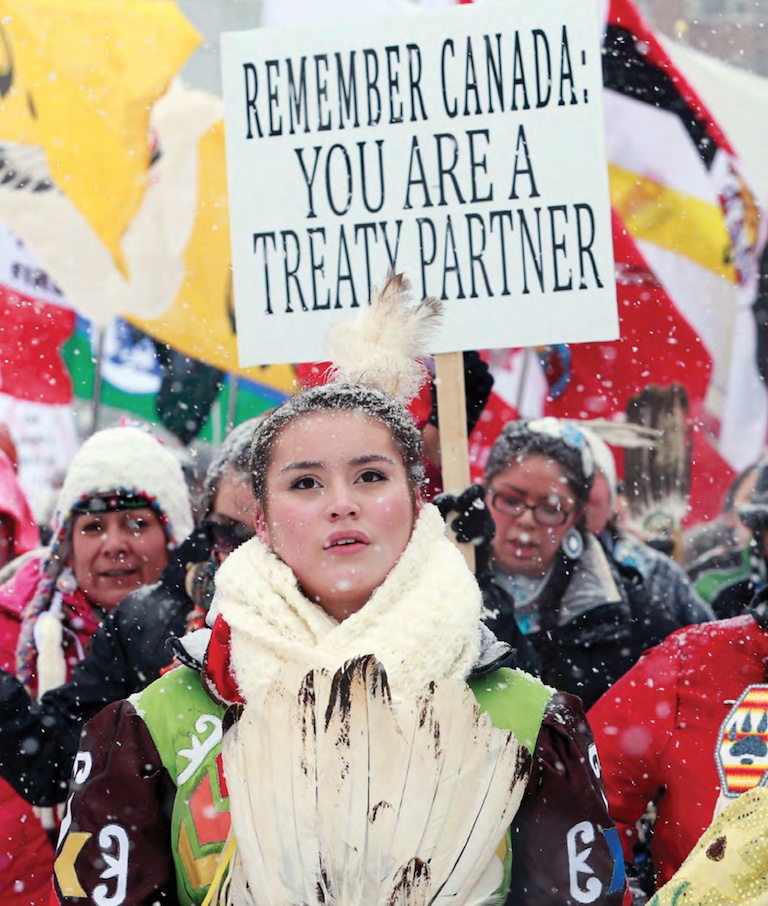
(343, 504)
(527, 517)
(115, 539)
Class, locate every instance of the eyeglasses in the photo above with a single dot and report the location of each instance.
(544, 513)
(226, 536)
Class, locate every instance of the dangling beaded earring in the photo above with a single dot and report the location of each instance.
(573, 544)
(66, 582)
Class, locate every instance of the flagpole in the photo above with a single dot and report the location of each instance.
(521, 385)
(231, 404)
(97, 360)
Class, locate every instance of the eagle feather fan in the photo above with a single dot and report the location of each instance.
(342, 795)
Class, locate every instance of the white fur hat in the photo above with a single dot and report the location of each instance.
(604, 461)
(128, 460)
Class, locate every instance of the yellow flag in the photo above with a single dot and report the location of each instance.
(78, 78)
(201, 320)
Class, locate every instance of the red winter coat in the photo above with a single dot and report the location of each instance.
(26, 853)
(658, 732)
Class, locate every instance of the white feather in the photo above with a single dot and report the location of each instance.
(49, 638)
(382, 345)
(628, 435)
(340, 795)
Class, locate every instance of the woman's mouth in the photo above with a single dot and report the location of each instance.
(119, 574)
(346, 542)
(523, 546)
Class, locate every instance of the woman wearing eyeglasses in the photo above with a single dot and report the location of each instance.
(549, 589)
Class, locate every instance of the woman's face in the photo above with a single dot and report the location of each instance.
(339, 510)
(522, 546)
(230, 521)
(114, 553)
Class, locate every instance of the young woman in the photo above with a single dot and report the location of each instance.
(347, 563)
(575, 619)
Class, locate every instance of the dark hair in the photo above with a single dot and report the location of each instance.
(560, 441)
(234, 455)
(729, 499)
(338, 397)
(754, 513)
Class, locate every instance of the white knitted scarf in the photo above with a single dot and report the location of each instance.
(421, 623)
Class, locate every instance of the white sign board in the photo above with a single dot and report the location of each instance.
(462, 147)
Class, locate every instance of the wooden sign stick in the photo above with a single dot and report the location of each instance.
(454, 449)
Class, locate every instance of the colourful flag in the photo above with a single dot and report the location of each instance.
(35, 384)
(155, 241)
(133, 380)
(597, 380)
(79, 80)
(680, 188)
(36, 320)
(200, 321)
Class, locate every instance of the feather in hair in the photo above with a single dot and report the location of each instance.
(382, 345)
(657, 477)
(340, 795)
(627, 435)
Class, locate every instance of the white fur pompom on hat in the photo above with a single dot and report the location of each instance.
(128, 460)
(381, 347)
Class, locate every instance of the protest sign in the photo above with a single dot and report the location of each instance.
(462, 147)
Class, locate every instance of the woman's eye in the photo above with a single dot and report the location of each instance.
(136, 525)
(371, 475)
(305, 483)
(90, 528)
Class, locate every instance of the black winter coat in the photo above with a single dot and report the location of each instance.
(586, 655)
(39, 739)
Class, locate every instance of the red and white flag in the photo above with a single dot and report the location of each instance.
(683, 194)
(35, 385)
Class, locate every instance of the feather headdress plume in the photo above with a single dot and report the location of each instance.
(381, 347)
(341, 795)
(657, 477)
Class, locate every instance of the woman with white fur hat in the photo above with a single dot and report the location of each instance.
(123, 507)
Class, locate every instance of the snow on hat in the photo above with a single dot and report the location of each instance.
(604, 460)
(129, 461)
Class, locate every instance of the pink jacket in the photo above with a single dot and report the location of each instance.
(13, 503)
